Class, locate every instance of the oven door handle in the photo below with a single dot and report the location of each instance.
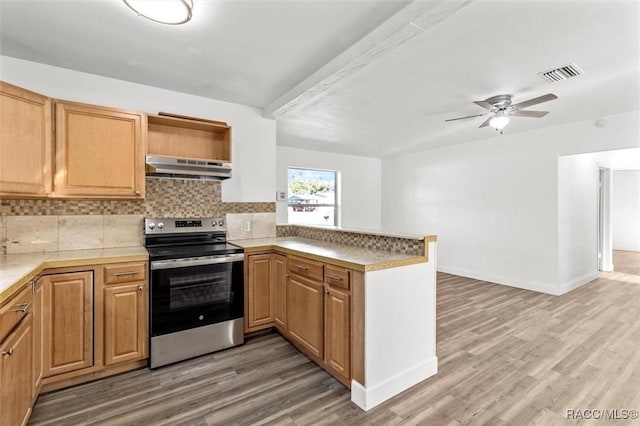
(185, 263)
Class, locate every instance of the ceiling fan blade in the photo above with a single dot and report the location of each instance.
(464, 118)
(540, 99)
(534, 114)
(485, 105)
(486, 122)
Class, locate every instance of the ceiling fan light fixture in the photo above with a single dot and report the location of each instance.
(170, 12)
(499, 121)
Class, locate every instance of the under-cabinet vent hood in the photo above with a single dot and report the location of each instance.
(178, 168)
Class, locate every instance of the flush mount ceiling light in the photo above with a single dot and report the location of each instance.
(171, 12)
(499, 121)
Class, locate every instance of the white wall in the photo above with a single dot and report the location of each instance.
(577, 219)
(494, 202)
(253, 136)
(360, 183)
(625, 210)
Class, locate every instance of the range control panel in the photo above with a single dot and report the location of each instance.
(174, 226)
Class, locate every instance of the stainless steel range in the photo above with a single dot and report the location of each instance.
(196, 293)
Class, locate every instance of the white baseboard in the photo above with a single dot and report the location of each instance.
(372, 395)
(580, 281)
(555, 290)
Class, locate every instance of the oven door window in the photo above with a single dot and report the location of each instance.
(207, 288)
(183, 298)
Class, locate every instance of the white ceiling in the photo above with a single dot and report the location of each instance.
(365, 77)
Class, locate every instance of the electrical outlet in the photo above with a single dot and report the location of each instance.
(247, 226)
(281, 196)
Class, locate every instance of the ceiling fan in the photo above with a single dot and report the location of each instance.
(501, 109)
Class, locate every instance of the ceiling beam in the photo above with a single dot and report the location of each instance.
(411, 21)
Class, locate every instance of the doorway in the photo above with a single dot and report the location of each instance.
(605, 241)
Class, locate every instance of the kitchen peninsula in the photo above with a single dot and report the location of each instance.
(342, 297)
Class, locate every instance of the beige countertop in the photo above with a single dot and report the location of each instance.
(17, 269)
(357, 258)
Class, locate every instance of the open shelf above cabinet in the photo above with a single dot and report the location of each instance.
(189, 138)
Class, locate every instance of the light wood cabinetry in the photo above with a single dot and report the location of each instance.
(68, 322)
(38, 333)
(337, 326)
(280, 312)
(306, 314)
(309, 303)
(190, 138)
(26, 142)
(259, 302)
(16, 374)
(125, 313)
(16, 359)
(99, 152)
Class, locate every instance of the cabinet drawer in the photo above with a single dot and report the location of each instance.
(306, 267)
(337, 276)
(14, 311)
(125, 272)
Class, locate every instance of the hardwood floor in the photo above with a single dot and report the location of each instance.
(626, 261)
(506, 356)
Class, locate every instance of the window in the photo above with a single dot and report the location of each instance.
(313, 196)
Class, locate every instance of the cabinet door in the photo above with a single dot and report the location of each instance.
(306, 314)
(99, 152)
(125, 323)
(337, 325)
(279, 270)
(25, 151)
(38, 327)
(16, 380)
(259, 292)
(68, 324)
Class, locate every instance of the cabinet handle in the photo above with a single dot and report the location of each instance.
(304, 268)
(121, 274)
(333, 277)
(140, 287)
(23, 307)
(8, 352)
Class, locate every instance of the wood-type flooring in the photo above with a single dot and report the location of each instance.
(506, 357)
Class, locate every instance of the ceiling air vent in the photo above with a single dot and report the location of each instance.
(562, 73)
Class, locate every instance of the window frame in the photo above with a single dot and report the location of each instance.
(336, 196)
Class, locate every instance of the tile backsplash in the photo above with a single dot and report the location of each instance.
(28, 225)
(32, 234)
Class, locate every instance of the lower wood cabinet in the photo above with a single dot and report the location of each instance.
(259, 291)
(69, 326)
(306, 314)
(125, 322)
(38, 334)
(308, 302)
(337, 326)
(16, 374)
(280, 312)
(68, 322)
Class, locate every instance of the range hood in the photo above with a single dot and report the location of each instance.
(179, 168)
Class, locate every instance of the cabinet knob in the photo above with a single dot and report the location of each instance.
(8, 352)
(137, 192)
(140, 287)
(326, 291)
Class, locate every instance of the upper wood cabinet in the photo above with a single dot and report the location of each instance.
(99, 152)
(190, 138)
(25, 142)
